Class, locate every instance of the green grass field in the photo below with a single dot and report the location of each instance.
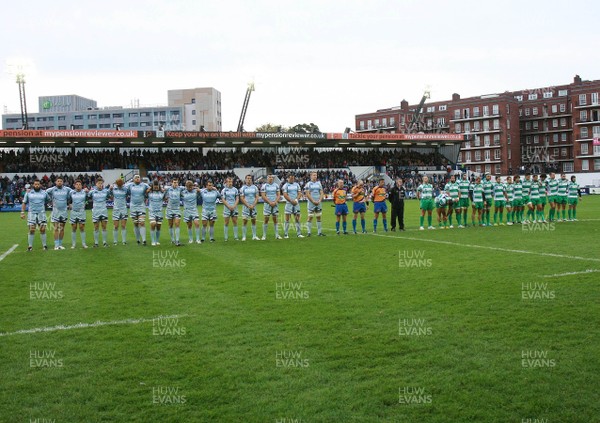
(433, 326)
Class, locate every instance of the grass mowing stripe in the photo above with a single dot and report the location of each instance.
(90, 325)
(10, 250)
(506, 250)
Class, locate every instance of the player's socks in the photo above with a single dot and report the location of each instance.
(276, 230)
(495, 217)
(563, 214)
(56, 243)
(244, 229)
(319, 226)
(198, 233)
(551, 214)
(429, 219)
(115, 235)
(124, 235)
(104, 236)
(298, 230)
(501, 217)
(143, 233)
(152, 235)
(385, 225)
(177, 232)
(286, 228)
(226, 232)
(344, 226)
(473, 220)
(30, 239)
(157, 235)
(171, 233)
(488, 217)
(450, 219)
(363, 224)
(211, 231)
(235, 231)
(82, 235)
(421, 220)
(354, 225)
(253, 230)
(96, 235)
(374, 225)
(265, 228)
(337, 226)
(190, 234)
(136, 231)
(43, 236)
(309, 226)
(574, 213)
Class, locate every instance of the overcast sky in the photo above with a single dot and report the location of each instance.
(312, 61)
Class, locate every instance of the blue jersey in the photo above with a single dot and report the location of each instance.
(78, 199)
(190, 199)
(155, 201)
(137, 192)
(120, 198)
(36, 200)
(250, 193)
(314, 189)
(173, 198)
(270, 190)
(229, 195)
(59, 197)
(292, 190)
(99, 198)
(209, 199)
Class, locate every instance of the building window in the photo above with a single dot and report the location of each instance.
(497, 139)
(527, 126)
(476, 126)
(536, 139)
(582, 99)
(384, 122)
(477, 169)
(594, 98)
(508, 139)
(532, 97)
(133, 114)
(477, 141)
(457, 128)
(194, 122)
(393, 121)
(554, 108)
(596, 131)
(509, 154)
(596, 164)
(563, 152)
(61, 118)
(476, 111)
(133, 124)
(596, 150)
(568, 167)
(519, 97)
(370, 124)
(92, 117)
(92, 126)
(104, 125)
(563, 122)
(486, 110)
(193, 101)
(527, 111)
(584, 132)
(486, 140)
(496, 123)
(535, 111)
(486, 125)
(528, 139)
(495, 109)
(563, 107)
(497, 153)
(507, 124)
(477, 155)
(443, 108)
(440, 121)
(563, 93)
(62, 127)
(487, 155)
(144, 114)
(548, 94)
(457, 114)
(193, 111)
(585, 164)
(583, 116)
(362, 124)
(468, 144)
(118, 115)
(467, 127)
(488, 168)
(498, 169)
(104, 116)
(555, 123)
(468, 156)
(466, 113)
(535, 124)
(555, 137)
(584, 148)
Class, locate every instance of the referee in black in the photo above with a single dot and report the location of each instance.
(396, 197)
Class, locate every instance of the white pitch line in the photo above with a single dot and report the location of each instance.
(10, 250)
(506, 250)
(90, 325)
(560, 275)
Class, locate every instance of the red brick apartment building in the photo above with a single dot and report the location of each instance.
(542, 129)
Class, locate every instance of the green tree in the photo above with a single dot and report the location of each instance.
(269, 127)
(305, 128)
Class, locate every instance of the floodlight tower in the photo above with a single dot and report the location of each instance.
(23, 99)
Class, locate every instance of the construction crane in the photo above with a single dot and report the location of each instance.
(240, 127)
(413, 126)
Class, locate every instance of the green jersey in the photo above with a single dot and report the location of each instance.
(534, 194)
(477, 192)
(563, 187)
(518, 191)
(499, 190)
(453, 190)
(488, 188)
(553, 186)
(510, 191)
(573, 189)
(463, 186)
(526, 187)
(426, 191)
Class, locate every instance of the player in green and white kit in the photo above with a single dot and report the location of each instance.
(543, 181)
(500, 197)
(510, 198)
(534, 204)
(463, 186)
(425, 196)
(488, 192)
(517, 200)
(573, 196)
(552, 185)
(477, 197)
(526, 184)
(99, 196)
(119, 211)
(59, 194)
(452, 188)
(231, 199)
(270, 194)
(561, 197)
